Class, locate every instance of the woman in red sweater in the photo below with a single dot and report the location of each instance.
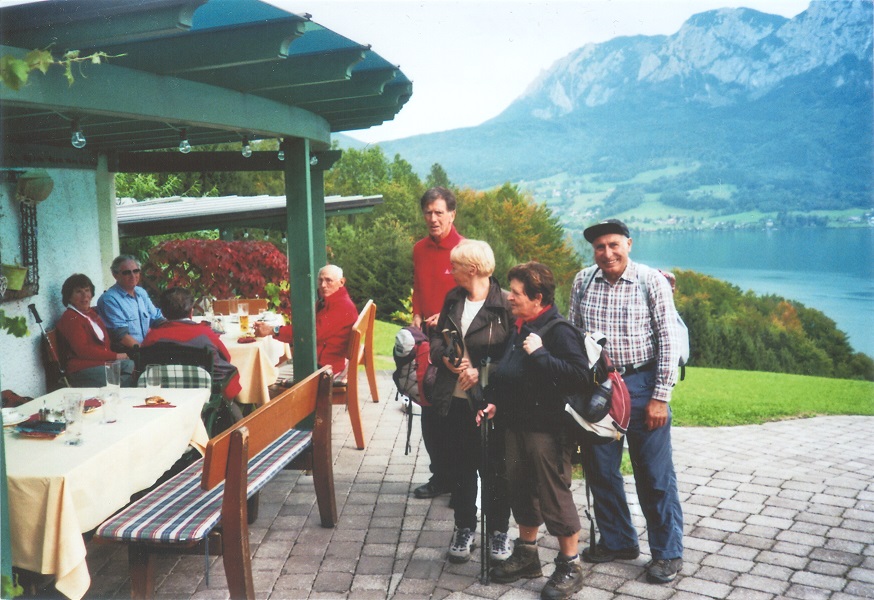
(83, 340)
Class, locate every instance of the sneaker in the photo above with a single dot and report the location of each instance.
(663, 570)
(600, 554)
(462, 544)
(500, 546)
(523, 562)
(566, 580)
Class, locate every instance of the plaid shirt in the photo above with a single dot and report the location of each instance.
(622, 313)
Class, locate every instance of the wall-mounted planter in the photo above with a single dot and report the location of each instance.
(15, 276)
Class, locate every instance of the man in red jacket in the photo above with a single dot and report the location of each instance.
(432, 279)
(176, 305)
(335, 316)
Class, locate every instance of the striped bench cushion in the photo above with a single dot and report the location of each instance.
(181, 511)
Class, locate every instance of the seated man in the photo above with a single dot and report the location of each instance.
(176, 305)
(335, 315)
(125, 307)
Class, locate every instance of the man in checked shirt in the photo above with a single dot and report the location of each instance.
(642, 339)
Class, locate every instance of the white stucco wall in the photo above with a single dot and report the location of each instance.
(67, 242)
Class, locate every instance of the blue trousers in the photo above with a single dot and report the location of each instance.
(654, 478)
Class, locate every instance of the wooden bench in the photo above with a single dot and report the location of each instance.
(206, 503)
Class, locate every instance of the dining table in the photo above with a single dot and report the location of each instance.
(257, 359)
(58, 491)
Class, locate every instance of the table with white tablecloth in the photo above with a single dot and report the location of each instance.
(58, 491)
(257, 363)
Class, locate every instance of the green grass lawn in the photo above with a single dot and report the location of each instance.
(720, 397)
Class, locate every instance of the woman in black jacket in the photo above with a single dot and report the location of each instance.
(530, 384)
(468, 340)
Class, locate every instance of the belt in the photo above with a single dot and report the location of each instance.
(638, 368)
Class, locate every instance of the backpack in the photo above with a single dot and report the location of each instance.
(643, 270)
(411, 355)
(602, 409)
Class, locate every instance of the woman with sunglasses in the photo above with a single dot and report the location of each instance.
(126, 308)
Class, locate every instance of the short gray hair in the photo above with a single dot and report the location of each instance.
(123, 258)
(338, 272)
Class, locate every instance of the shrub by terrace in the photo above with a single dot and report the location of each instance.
(217, 269)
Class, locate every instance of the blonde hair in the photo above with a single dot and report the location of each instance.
(474, 253)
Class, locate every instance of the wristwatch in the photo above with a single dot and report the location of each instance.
(276, 330)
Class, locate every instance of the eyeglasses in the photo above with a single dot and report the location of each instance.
(130, 272)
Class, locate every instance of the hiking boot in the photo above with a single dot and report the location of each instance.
(429, 490)
(600, 554)
(462, 544)
(663, 570)
(523, 562)
(500, 546)
(566, 580)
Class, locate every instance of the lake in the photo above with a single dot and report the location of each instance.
(831, 270)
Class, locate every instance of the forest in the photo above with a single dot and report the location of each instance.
(729, 328)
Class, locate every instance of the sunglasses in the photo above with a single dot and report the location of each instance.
(130, 272)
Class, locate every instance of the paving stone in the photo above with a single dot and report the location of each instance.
(820, 581)
(762, 584)
(861, 574)
(807, 593)
(747, 594)
(857, 588)
(711, 589)
(772, 571)
(715, 574)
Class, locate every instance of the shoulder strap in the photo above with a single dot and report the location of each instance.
(588, 277)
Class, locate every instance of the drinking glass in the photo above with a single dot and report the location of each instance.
(113, 373)
(243, 311)
(74, 410)
(153, 378)
(109, 399)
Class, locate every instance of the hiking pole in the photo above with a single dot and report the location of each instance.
(53, 355)
(485, 477)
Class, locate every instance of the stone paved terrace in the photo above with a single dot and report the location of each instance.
(782, 510)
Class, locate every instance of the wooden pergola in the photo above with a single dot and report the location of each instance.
(205, 72)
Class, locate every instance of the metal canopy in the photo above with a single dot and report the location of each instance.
(219, 69)
(177, 215)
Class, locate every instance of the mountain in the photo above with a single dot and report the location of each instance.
(738, 111)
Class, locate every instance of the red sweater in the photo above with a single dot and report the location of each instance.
(199, 335)
(335, 316)
(432, 273)
(80, 348)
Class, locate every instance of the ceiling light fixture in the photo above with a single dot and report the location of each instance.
(184, 145)
(247, 149)
(77, 138)
(281, 154)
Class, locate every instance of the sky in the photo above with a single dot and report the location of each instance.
(468, 60)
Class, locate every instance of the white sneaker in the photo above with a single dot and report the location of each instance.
(501, 546)
(462, 544)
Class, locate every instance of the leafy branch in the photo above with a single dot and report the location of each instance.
(16, 326)
(14, 72)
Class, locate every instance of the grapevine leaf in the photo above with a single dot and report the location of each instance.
(40, 60)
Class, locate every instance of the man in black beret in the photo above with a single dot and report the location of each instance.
(633, 304)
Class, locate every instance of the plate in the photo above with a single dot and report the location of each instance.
(13, 417)
(41, 429)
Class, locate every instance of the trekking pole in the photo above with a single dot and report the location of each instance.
(485, 477)
(50, 348)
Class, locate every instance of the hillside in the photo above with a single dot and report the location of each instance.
(738, 113)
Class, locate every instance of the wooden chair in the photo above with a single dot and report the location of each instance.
(223, 307)
(360, 352)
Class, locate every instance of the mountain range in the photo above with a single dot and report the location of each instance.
(738, 111)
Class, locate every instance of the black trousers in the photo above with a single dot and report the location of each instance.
(463, 447)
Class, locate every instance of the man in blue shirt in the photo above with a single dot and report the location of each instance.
(126, 308)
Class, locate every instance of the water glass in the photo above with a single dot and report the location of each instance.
(74, 410)
(113, 373)
(110, 400)
(153, 378)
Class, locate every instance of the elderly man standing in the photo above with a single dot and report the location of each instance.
(432, 279)
(643, 339)
(335, 316)
(126, 308)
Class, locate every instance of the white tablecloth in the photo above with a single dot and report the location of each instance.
(57, 492)
(256, 361)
